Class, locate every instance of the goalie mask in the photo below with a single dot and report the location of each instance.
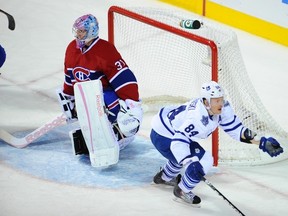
(211, 90)
(85, 28)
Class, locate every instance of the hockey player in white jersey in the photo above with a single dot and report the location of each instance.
(176, 129)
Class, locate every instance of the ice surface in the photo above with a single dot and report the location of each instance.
(46, 179)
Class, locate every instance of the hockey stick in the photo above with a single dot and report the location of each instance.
(34, 135)
(11, 21)
(215, 189)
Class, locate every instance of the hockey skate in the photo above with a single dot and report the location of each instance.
(158, 180)
(78, 142)
(188, 198)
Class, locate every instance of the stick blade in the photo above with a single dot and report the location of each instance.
(11, 20)
(13, 141)
(11, 24)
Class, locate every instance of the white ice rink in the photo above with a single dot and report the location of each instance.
(46, 179)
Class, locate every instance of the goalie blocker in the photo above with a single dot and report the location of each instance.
(98, 137)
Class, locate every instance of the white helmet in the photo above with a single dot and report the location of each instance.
(211, 90)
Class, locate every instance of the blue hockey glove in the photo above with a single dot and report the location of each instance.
(198, 169)
(195, 169)
(271, 146)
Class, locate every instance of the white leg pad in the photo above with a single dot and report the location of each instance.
(96, 128)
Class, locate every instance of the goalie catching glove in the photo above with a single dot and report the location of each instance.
(129, 117)
(271, 146)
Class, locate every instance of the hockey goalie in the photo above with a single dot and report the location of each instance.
(101, 92)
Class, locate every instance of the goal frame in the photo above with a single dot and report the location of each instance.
(214, 51)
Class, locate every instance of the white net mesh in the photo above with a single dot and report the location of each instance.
(171, 69)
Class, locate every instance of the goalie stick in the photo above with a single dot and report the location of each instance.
(34, 135)
(215, 189)
(11, 20)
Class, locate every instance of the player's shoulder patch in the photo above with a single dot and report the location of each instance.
(193, 103)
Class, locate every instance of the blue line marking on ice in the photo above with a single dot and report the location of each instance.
(51, 158)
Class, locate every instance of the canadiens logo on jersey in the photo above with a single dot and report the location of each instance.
(81, 74)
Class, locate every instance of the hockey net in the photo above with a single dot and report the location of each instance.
(171, 64)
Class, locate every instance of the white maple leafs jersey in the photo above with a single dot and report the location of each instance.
(191, 122)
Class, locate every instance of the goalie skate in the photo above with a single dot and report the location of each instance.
(78, 142)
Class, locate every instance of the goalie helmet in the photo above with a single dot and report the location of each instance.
(211, 90)
(85, 24)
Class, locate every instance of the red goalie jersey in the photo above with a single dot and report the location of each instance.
(101, 61)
